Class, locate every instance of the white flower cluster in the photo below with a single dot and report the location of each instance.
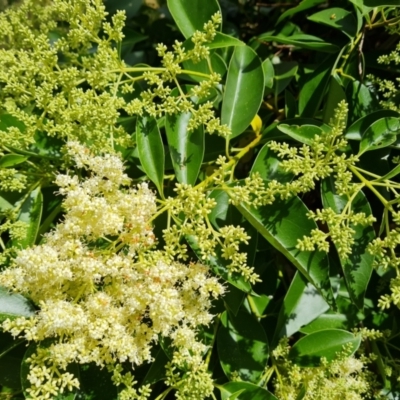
(106, 295)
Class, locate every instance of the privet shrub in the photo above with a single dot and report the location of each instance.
(211, 217)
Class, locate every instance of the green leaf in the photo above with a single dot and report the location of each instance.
(221, 40)
(357, 129)
(186, 148)
(307, 352)
(337, 18)
(190, 16)
(243, 91)
(391, 174)
(302, 133)
(326, 321)
(381, 3)
(151, 150)
(157, 370)
(313, 91)
(302, 41)
(284, 73)
(302, 6)
(9, 160)
(14, 305)
(302, 304)
(290, 105)
(242, 346)
(10, 375)
(96, 383)
(268, 165)
(381, 133)
(269, 73)
(282, 223)
(335, 96)
(357, 268)
(31, 215)
(248, 391)
(362, 101)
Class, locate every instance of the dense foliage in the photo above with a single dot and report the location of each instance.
(199, 199)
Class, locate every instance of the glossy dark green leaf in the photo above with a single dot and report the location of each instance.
(302, 304)
(336, 94)
(14, 305)
(186, 147)
(290, 105)
(303, 41)
(326, 321)
(151, 150)
(242, 346)
(302, 6)
(337, 18)
(191, 15)
(313, 90)
(282, 224)
(361, 100)
(31, 215)
(357, 129)
(307, 352)
(284, 73)
(357, 268)
(96, 384)
(157, 369)
(302, 133)
(9, 160)
(380, 134)
(269, 73)
(268, 165)
(243, 91)
(248, 391)
(10, 375)
(221, 40)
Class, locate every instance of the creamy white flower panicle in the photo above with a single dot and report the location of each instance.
(105, 294)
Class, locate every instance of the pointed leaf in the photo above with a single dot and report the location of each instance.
(9, 160)
(243, 91)
(309, 350)
(151, 150)
(302, 6)
(190, 16)
(282, 224)
(313, 90)
(186, 147)
(283, 75)
(269, 73)
(357, 268)
(242, 345)
(302, 304)
(248, 391)
(380, 134)
(302, 41)
(303, 134)
(31, 215)
(335, 96)
(357, 129)
(221, 40)
(337, 18)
